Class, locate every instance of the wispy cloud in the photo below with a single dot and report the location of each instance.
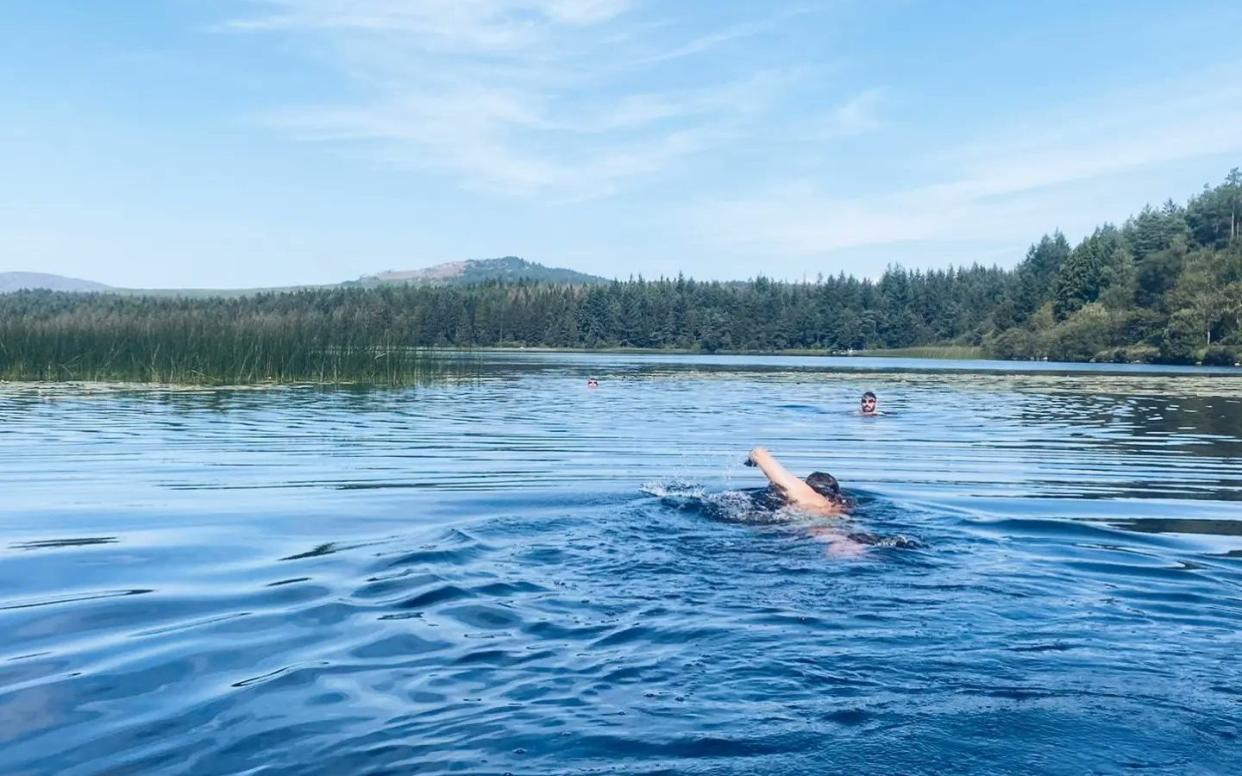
(711, 40)
(473, 135)
(467, 24)
(858, 115)
(524, 97)
(996, 187)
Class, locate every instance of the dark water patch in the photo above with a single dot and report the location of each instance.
(320, 550)
(849, 717)
(437, 557)
(1182, 526)
(398, 645)
(383, 485)
(72, 598)
(1057, 647)
(395, 584)
(1057, 531)
(435, 596)
(485, 617)
(269, 676)
(328, 548)
(189, 625)
(895, 542)
(48, 544)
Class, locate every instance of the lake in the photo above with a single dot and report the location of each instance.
(505, 572)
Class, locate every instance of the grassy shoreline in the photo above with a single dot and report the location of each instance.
(953, 352)
(361, 366)
(393, 366)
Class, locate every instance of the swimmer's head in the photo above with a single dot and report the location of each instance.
(868, 403)
(825, 485)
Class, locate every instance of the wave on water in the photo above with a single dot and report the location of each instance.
(732, 506)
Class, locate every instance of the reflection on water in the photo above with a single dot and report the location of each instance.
(470, 578)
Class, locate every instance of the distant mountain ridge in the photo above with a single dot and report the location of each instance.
(17, 281)
(453, 273)
(459, 273)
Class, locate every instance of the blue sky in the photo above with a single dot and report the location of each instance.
(216, 143)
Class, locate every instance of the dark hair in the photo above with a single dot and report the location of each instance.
(868, 395)
(824, 484)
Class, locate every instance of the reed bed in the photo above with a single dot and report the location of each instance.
(73, 337)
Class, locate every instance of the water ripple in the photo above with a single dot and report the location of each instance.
(471, 578)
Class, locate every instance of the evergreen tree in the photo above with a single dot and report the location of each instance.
(1094, 264)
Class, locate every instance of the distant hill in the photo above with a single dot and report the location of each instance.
(453, 273)
(16, 281)
(460, 273)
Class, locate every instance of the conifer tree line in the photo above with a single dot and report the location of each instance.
(1165, 286)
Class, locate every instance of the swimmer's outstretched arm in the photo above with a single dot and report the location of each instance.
(797, 491)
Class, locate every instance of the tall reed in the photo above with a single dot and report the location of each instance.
(48, 336)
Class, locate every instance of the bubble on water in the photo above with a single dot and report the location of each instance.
(674, 489)
(896, 541)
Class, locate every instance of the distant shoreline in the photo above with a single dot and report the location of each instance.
(950, 352)
(929, 352)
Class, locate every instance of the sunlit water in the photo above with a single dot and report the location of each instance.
(482, 576)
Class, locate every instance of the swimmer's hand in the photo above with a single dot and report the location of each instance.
(755, 455)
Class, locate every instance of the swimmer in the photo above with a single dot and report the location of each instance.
(868, 405)
(592, 382)
(820, 494)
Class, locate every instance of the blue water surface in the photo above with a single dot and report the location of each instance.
(507, 572)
